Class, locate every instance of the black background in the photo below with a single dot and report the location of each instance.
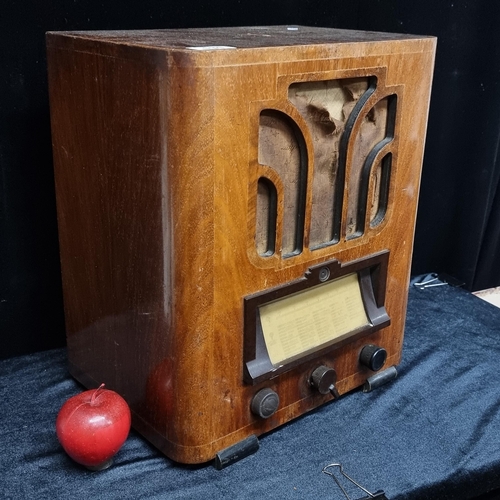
(458, 227)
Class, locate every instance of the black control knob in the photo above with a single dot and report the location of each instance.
(265, 403)
(373, 357)
(323, 379)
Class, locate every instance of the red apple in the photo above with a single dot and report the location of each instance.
(92, 427)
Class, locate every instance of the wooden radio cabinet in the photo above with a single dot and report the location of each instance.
(236, 213)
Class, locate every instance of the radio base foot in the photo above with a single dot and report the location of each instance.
(380, 378)
(236, 452)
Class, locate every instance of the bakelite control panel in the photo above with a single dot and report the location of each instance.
(236, 212)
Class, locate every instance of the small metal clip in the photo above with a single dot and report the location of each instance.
(378, 494)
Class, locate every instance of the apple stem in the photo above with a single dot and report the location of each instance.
(96, 393)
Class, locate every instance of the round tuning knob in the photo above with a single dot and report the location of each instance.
(323, 379)
(373, 357)
(265, 403)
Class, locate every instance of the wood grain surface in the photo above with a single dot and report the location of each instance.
(188, 179)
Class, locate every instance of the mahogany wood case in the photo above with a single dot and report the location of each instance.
(203, 174)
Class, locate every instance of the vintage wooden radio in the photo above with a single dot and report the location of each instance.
(236, 211)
